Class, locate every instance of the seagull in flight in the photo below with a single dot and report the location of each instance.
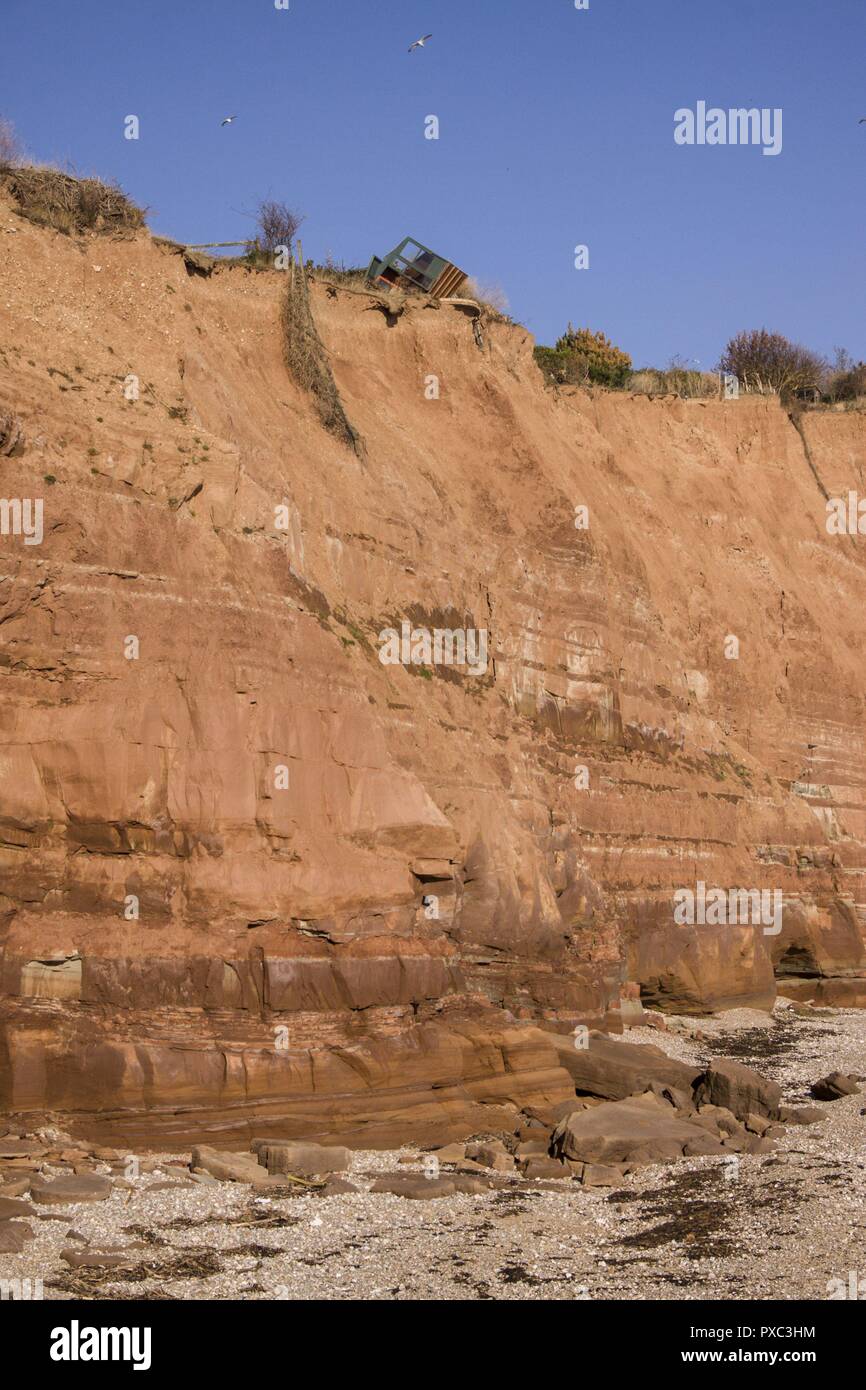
(419, 43)
(228, 120)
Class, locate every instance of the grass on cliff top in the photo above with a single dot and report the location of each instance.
(559, 367)
(71, 205)
(676, 381)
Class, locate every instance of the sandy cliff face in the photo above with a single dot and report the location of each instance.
(276, 804)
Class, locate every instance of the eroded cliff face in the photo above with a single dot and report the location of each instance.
(275, 803)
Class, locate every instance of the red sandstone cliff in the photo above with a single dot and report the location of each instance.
(263, 909)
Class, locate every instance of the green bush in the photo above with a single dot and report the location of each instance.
(557, 366)
(582, 357)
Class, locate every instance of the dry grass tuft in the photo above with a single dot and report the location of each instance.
(345, 277)
(308, 362)
(492, 298)
(52, 198)
(676, 381)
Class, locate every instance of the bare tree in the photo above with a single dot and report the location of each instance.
(846, 380)
(278, 225)
(770, 362)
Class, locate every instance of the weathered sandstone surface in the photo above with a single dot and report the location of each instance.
(283, 974)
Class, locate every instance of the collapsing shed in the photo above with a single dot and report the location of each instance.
(413, 266)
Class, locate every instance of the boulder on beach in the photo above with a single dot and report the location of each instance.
(289, 1156)
(615, 1070)
(637, 1130)
(835, 1086)
(74, 1188)
(739, 1089)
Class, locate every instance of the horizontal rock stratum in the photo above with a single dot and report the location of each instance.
(252, 878)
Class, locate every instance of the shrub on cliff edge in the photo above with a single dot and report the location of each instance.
(53, 198)
(582, 357)
(846, 380)
(69, 204)
(769, 362)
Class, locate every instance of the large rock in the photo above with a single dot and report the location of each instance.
(675, 967)
(229, 1167)
(629, 1131)
(704, 1144)
(280, 1156)
(22, 1148)
(9, 1208)
(599, 1175)
(615, 1070)
(541, 1166)
(491, 1154)
(718, 1118)
(416, 1189)
(16, 1187)
(450, 1153)
(533, 1148)
(82, 1187)
(738, 1089)
(835, 1086)
(757, 1124)
(802, 1115)
(14, 1235)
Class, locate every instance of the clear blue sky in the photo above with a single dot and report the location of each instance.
(556, 128)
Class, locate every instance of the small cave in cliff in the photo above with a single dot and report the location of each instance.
(797, 961)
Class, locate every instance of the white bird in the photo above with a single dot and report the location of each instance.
(419, 43)
(228, 120)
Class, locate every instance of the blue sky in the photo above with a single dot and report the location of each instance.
(556, 128)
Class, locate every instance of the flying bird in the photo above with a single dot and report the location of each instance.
(419, 43)
(228, 120)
